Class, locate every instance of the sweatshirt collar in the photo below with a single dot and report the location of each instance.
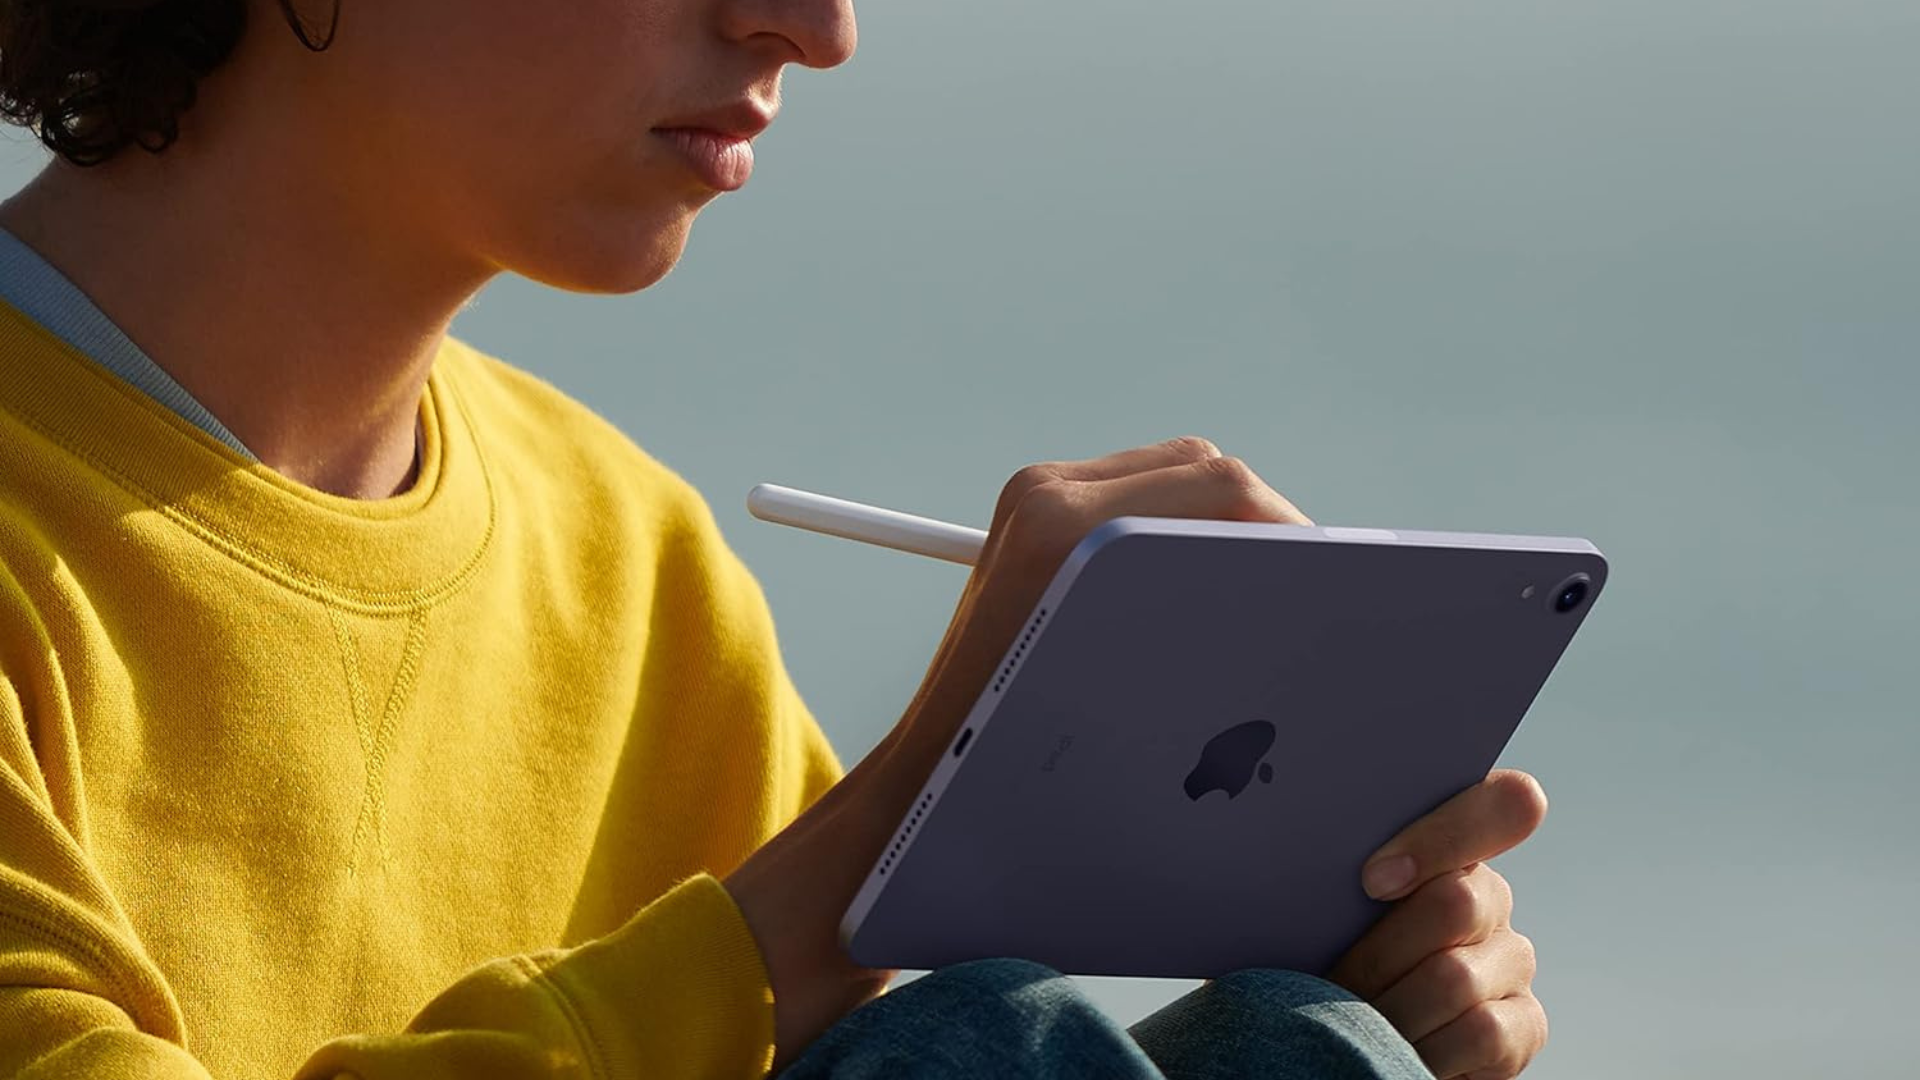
(374, 554)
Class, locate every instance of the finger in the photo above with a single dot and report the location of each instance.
(1220, 488)
(1139, 459)
(1450, 983)
(1176, 451)
(1492, 1041)
(1459, 908)
(1473, 826)
(1186, 449)
(1055, 516)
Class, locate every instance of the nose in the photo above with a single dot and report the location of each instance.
(819, 33)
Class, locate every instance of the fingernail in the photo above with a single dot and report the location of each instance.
(1388, 876)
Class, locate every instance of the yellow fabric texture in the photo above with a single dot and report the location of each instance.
(434, 786)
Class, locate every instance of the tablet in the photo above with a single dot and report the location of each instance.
(1204, 730)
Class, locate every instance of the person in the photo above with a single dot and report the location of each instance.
(369, 708)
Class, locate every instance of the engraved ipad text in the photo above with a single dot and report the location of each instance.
(1054, 756)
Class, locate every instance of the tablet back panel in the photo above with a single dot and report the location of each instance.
(1207, 734)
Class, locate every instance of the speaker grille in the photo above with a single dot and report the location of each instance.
(920, 809)
(1019, 653)
(906, 832)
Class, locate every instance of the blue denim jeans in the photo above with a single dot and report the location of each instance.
(1013, 1019)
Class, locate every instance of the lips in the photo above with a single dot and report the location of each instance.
(722, 162)
(717, 145)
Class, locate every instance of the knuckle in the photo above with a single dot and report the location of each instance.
(1045, 523)
(1011, 493)
(1517, 1051)
(1049, 498)
(1244, 494)
(1231, 471)
(1488, 1029)
(1498, 892)
(1457, 978)
(1193, 446)
(1529, 957)
(1035, 521)
(1456, 906)
(1026, 478)
(1021, 486)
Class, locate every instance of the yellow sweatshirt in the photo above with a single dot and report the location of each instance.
(434, 786)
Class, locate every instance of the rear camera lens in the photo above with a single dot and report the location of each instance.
(1571, 593)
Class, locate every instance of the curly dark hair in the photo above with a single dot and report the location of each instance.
(91, 77)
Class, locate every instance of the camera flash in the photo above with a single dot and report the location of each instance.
(1526, 593)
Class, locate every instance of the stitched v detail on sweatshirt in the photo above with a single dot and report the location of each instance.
(376, 736)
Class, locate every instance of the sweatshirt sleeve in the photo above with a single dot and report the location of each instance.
(78, 995)
(677, 990)
(595, 1010)
(78, 1002)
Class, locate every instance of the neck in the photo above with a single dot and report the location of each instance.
(264, 287)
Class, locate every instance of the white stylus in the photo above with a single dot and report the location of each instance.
(868, 524)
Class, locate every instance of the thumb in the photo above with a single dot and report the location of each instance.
(1484, 820)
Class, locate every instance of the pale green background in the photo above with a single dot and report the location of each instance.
(1645, 272)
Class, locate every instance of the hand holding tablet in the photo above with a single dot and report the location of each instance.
(1171, 720)
(1219, 722)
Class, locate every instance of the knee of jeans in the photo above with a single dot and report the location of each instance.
(998, 973)
(1277, 986)
(991, 993)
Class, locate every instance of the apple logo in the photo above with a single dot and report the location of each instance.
(1228, 761)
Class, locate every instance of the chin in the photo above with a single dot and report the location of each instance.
(611, 258)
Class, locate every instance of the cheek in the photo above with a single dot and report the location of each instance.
(520, 130)
(512, 86)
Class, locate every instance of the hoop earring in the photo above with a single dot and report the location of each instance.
(299, 24)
